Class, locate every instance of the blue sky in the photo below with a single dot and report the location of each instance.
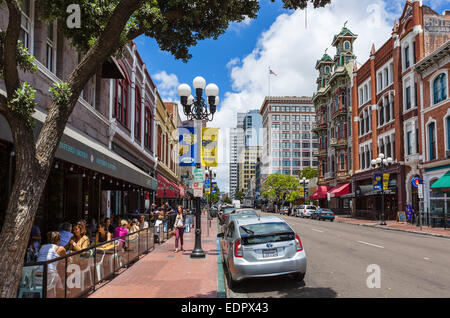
(238, 61)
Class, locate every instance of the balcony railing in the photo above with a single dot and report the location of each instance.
(319, 126)
(340, 111)
(337, 142)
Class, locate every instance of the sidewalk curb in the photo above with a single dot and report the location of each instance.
(398, 230)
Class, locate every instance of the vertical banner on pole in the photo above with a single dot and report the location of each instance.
(186, 146)
(210, 137)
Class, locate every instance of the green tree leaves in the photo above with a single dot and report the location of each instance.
(60, 94)
(23, 103)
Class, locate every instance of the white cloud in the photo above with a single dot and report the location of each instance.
(292, 51)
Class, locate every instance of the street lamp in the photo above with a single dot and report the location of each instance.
(381, 163)
(305, 183)
(195, 108)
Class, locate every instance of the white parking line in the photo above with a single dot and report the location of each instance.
(317, 230)
(370, 244)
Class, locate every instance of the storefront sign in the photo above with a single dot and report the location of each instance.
(416, 181)
(186, 146)
(210, 136)
(420, 191)
(408, 212)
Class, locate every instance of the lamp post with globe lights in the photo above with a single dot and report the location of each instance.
(305, 182)
(381, 163)
(196, 109)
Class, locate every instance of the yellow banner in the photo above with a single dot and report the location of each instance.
(210, 138)
(386, 181)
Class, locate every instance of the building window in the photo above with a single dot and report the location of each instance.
(137, 116)
(121, 101)
(342, 160)
(406, 57)
(440, 88)
(432, 141)
(26, 24)
(409, 142)
(408, 97)
(51, 48)
(448, 132)
(347, 45)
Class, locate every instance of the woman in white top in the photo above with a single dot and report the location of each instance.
(50, 251)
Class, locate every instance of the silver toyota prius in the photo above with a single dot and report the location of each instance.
(261, 247)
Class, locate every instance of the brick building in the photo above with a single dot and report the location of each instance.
(387, 115)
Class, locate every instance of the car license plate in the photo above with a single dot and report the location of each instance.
(270, 253)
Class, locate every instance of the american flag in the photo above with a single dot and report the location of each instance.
(272, 72)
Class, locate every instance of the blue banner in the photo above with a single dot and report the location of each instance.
(377, 181)
(214, 187)
(186, 146)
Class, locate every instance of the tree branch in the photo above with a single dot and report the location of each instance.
(11, 73)
(106, 45)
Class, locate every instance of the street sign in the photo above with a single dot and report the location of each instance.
(198, 189)
(198, 175)
(420, 191)
(416, 181)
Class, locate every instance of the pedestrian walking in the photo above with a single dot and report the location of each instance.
(179, 228)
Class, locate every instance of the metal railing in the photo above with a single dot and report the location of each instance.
(77, 274)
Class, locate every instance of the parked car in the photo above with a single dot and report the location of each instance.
(306, 211)
(323, 214)
(242, 214)
(223, 215)
(284, 210)
(261, 247)
(270, 208)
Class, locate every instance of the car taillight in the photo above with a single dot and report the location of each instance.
(238, 249)
(298, 244)
(305, 210)
(322, 213)
(332, 214)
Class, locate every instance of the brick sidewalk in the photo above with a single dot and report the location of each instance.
(393, 225)
(165, 274)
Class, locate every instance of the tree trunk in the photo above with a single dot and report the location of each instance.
(34, 160)
(29, 184)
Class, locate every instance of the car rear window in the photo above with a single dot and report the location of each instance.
(262, 233)
(311, 207)
(228, 211)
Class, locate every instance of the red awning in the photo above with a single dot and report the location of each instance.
(321, 193)
(340, 190)
(166, 188)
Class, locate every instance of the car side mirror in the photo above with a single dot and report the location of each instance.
(220, 235)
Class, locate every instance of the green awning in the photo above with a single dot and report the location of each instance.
(443, 183)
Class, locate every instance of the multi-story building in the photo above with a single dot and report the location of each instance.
(233, 162)
(433, 82)
(247, 169)
(332, 102)
(387, 113)
(287, 132)
(167, 153)
(105, 161)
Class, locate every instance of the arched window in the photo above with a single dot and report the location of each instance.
(440, 88)
(381, 114)
(137, 115)
(327, 69)
(432, 141)
(121, 101)
(148, 128)
(347, 45)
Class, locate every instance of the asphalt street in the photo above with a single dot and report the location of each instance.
(343, 258)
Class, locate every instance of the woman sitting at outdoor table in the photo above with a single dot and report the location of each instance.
(48, 252)
(79, 240)
(121, 230)
(102, 234)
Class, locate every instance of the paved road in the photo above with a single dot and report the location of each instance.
(338, 257)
